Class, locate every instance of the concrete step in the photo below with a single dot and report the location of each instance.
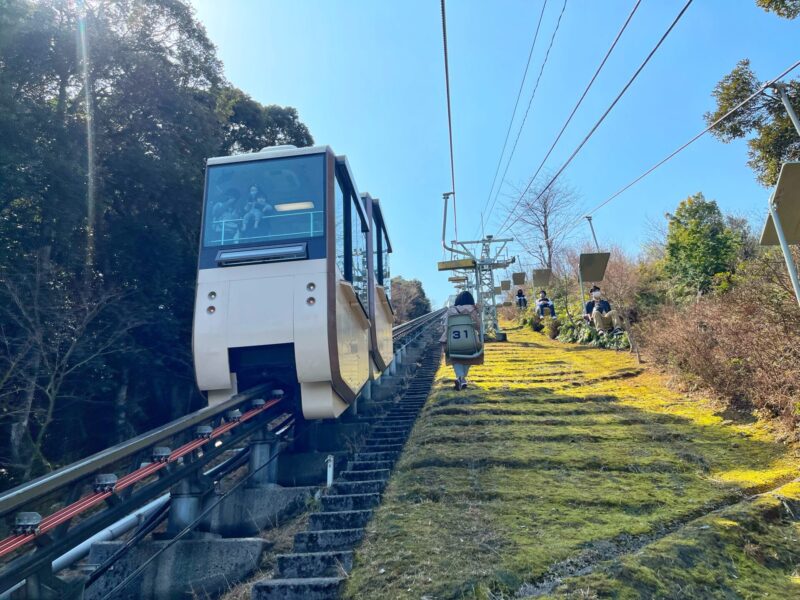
(375, 456)
(343, 519)
(373, 475)
(346, 488)
(402, 428)
(369, 465)
(320, 588)
(382, 440)
(315, 564)
(335, 503)
(383, 447)
(329, 539)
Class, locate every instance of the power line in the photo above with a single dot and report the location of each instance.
(561, 169)
(516, 104)
(449, 117)
(586, 91)
(680, 149)
(530, 102)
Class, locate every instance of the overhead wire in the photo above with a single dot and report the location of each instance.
(588, 87)
(506, 225)
(680, 149)
(449, 117)
(516, 105)
(527, 110)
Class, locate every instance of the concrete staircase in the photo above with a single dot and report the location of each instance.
(323, 554)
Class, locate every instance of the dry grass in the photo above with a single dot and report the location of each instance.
(556, 452)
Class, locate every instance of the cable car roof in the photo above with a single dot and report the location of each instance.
(265, 153)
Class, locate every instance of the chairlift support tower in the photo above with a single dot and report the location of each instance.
(483, 256)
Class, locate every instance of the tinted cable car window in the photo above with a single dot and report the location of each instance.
(340, 226)
(265, 201)
(360, 264)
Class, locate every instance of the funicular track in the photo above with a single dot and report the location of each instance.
(92, 498)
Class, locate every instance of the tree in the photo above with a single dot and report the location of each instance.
(408, 299)
(774, 139)
(699, 245)
(541, 218)
(788, 9)
(101, 181)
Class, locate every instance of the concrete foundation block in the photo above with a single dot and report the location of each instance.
(189, 569)
(247, 511)
(308, 468)
(320, 588)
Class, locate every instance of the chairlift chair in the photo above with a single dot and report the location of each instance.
(782, 227)
(463, 340)
(518, 278)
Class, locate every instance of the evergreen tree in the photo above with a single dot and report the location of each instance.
(699, 246)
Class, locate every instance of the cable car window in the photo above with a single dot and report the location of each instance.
(265, 201)
(360, 259)
(340, 226)
(386, 277)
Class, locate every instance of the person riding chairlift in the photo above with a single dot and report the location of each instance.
(599, 311)
(545, 302)
(464, 304)
(522, 301)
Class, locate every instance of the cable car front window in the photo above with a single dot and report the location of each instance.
(264, 201)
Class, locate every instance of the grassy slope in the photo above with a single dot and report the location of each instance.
(560, 457)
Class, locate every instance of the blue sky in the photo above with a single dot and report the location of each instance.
(367, 78)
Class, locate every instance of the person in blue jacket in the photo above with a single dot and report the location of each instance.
(599, 311)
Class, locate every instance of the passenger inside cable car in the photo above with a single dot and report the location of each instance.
(241, 213)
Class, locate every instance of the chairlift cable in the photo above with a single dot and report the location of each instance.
(602, 118)
(680, 149)
(527, 110)
(585, 91)
(516, 104)
(449, 117)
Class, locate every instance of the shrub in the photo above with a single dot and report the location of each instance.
(580, 332)
(743, 345)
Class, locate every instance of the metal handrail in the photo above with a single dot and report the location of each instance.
(59, 478)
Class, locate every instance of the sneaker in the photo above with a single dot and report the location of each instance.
(617, 330)
(463, 385)
(458, 384)
(553, 317)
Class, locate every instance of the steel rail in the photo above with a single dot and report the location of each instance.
(28, 564)
(40, 486)
(52, 521)
(404, 329)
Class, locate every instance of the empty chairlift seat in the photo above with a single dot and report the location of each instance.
(463, 341)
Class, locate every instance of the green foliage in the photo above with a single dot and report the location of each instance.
(122, 237)
(699, 246)
(581, 332)
(788, 9)
(408, 299)
(774, 140)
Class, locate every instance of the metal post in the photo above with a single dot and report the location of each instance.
(596, 245)
(580, 281)
(263, 449)
(185, 504)
(787, 252)
(780, 87)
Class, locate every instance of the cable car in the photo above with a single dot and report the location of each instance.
(286, 291)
